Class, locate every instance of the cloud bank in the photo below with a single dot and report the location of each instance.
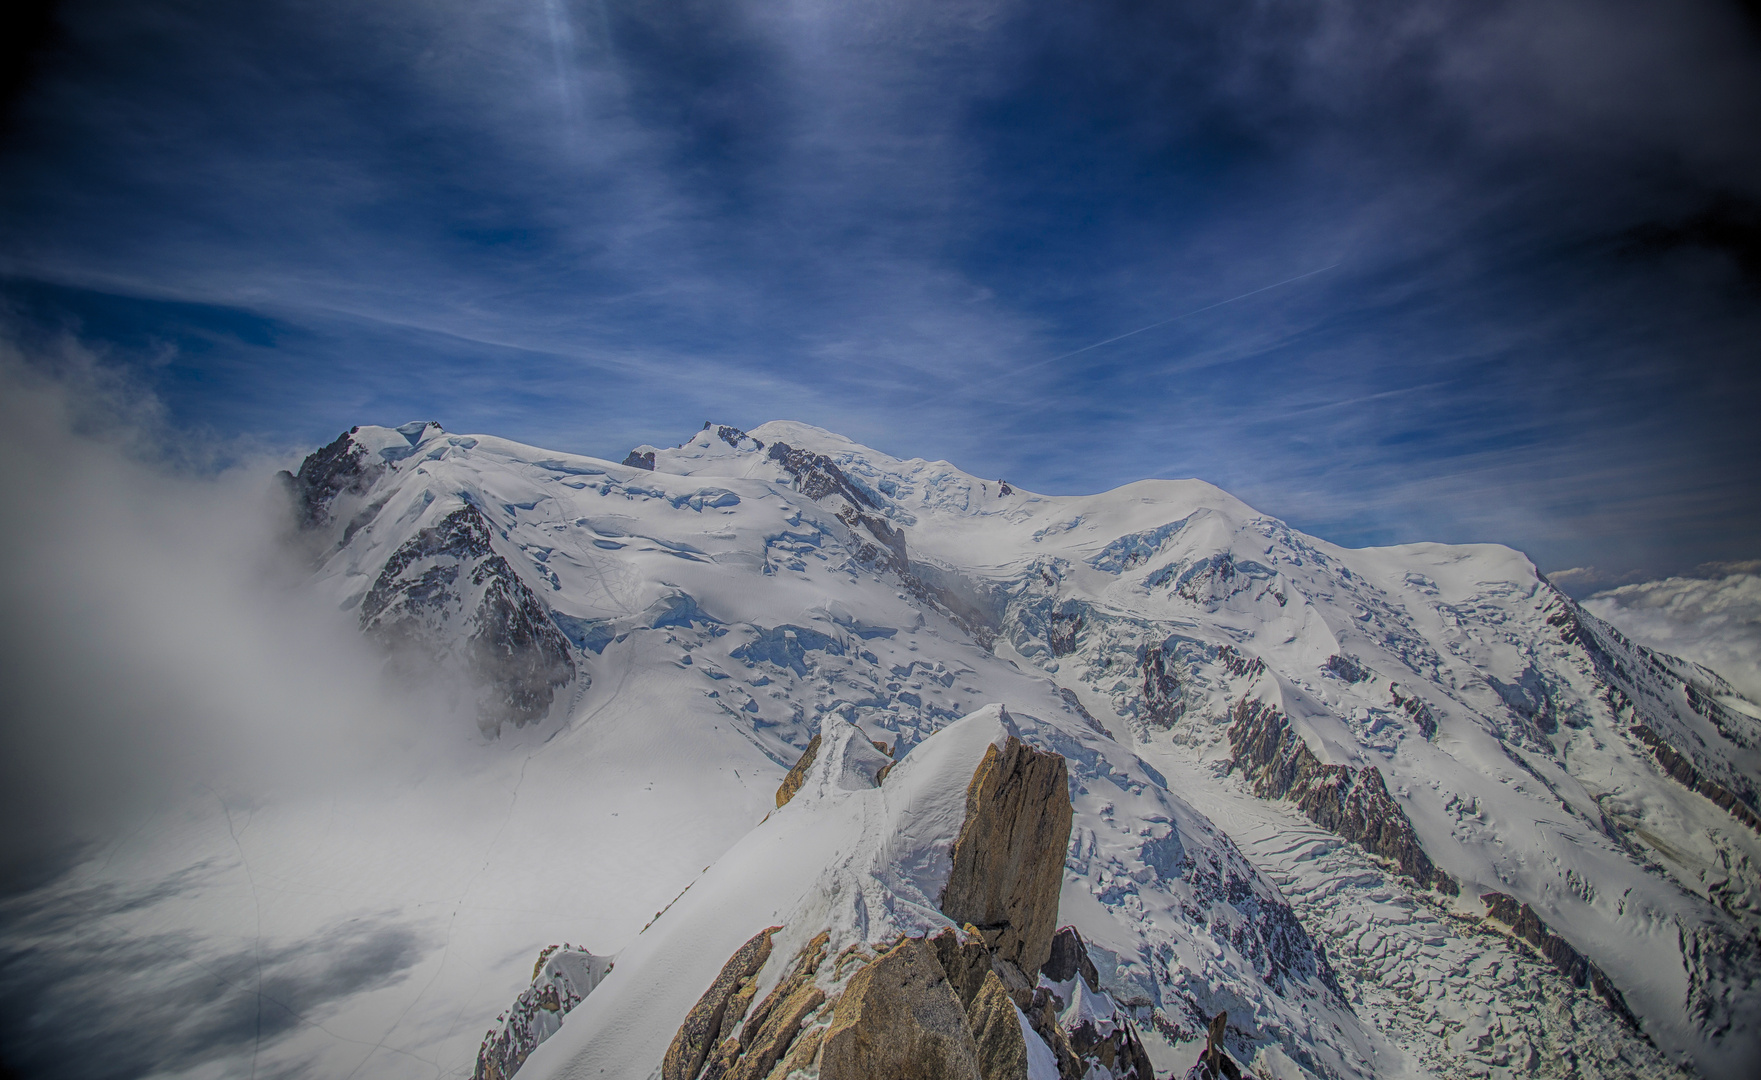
(1715, 621)
(158, 639)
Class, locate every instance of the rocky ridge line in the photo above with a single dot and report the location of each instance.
(957, 1004)
(1354, 803)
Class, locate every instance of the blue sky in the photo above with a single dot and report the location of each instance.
(1525, 238)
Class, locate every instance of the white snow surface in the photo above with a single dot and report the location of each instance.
(865, 863)
(719, 616)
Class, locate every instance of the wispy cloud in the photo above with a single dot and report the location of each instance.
(595, 224)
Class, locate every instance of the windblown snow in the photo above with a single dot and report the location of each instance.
(1402, 811)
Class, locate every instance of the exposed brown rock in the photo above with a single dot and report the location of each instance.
(773, 1025)
(965, 961)
(1002, 1050)
(798, 775)
(802, 1054)
(684, 1058)
(778, 1032)
(807, 962)
(1009, 857)
(1574, 965)
(1683, 772)
(899, 1019)
(1069, 957)
(1215, 1063)
(1354, 803)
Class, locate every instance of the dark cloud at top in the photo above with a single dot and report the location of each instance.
(593, 224)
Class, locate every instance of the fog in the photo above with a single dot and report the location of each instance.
(157, 638)
(1713, 620)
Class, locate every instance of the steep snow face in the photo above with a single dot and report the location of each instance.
(1532, 750)
(771, 587)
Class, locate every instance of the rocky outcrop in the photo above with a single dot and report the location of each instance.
(1683, 772)
(1163, 704)
(1009, 856)
(1415, 708)
(1347, 668)
(818, 477)
(1241, 667)
(1069, 958)
(640, 460)
(1354, 803)
(447, 588)
(899, 1018)
(798, 775)
(337, 469)
(1004, 997)
(1214, 1063)
(1081, 1024)
(770, 1031)
(738, 439)
(1061, 632)
(561, 978)
(703, 1024)
(996, 1032)
(1574, 965)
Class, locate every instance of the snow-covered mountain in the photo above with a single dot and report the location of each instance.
(1400, 811)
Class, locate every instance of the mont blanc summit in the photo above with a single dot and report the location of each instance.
(1395, 811)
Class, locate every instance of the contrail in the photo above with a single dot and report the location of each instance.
(1165, 322)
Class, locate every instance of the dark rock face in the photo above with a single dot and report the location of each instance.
(818, 476)
(1415, 708)
(1009, 856)
(1108, 1041)
(1163, 704)
(1062, 630)
(1354, 803)
(1242, 667)
(1076, 707)
(798, 775)
(1347, 668)
(1070, 958)
(735, 438)
(1004, 489)
(643, 460)
(337, 469)
(561, 979)
(697, 1035)
(447, 583)
(900, 1020)
(1682, 771)
(1572, 964)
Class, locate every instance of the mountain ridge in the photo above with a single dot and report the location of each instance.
(1479, 700)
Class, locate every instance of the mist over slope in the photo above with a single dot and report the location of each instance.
(1713, 620)
(1324, 789)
